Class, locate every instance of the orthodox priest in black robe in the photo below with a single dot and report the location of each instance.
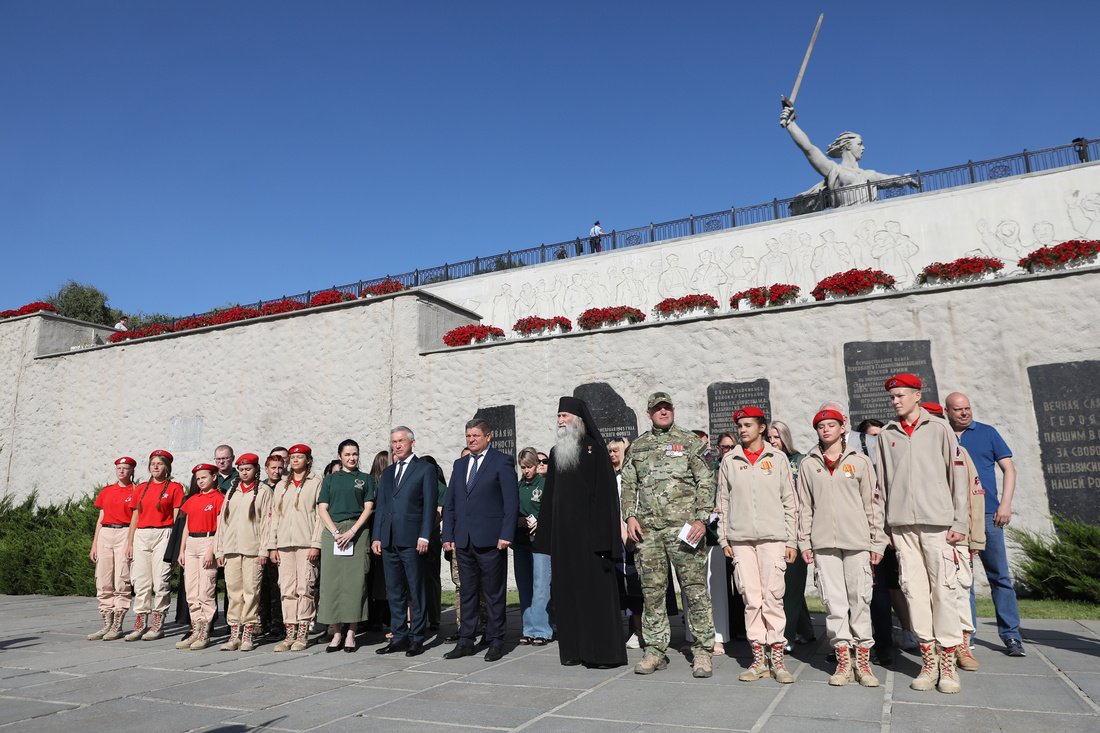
(580, 528)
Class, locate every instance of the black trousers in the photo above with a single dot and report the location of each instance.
(483, 569)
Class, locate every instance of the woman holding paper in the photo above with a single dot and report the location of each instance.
(344, 506)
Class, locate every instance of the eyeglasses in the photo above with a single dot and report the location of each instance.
(725, 448)
(544, 461)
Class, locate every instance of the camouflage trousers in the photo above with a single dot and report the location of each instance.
(658, 548)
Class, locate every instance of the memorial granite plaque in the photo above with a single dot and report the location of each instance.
(613, 416)
(1067, 409)
(725, 398)
(502, 426)
(868, 364)
(185, 435)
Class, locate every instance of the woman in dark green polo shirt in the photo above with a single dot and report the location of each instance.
(532, 570)
(344, 506)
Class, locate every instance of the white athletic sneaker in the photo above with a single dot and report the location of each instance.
(633, 642)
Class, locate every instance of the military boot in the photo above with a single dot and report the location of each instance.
(759, 667)
(108, 621)
(302, 641)
(234, 642)
(700, 666)
(949, 675)
(285, 644)
(651, 662)
(863, 668)
(930, 672)
(156, 631)
(115, 631)
(202, 638)
(964, 658)
(139, 628)
(779, 670)
(187, 641)
(844, 673)
(246, 638)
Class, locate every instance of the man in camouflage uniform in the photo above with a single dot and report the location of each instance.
(667, 483)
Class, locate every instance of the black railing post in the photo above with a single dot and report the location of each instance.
(870, 193)
(612, 239)
(1027, 162)
(920, 182)
(651, 239)
(733, 217)
(542, 252)
(309, 294)
(477, 266)
(691, 223)
(359, 293)
(446, 271)
(416, 274)
(970, 165)
(775, 207)
(577, 246)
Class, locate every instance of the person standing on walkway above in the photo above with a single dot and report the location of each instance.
(923, 477)
(594, 235)
(987, 448)
(668, 489)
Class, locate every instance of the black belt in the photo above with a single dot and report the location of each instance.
(201, 534)
(114, 526)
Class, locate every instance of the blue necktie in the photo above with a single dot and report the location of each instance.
(473, 473)
(397, 478)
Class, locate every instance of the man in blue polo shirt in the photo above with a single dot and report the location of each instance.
(986, 448)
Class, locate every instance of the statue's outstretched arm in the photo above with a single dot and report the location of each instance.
(817, 159)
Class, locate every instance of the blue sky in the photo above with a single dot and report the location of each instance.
(182, 155)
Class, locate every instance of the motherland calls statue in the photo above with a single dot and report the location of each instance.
(849, 149)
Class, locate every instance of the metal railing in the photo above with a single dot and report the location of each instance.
(1079, 151)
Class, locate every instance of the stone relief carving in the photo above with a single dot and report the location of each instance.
(1084, 214)
(893, 250)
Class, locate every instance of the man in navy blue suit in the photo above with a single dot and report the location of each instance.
(479, 522)
(404, 516)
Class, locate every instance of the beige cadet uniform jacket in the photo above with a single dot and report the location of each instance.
(237, 534)
(975, 532)
(295, 527)
(842, 510)
(756, 502)
(924, 476)
(666, 480)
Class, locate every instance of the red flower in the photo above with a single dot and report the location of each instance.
(186, 324)
(28, 309)
(853, 282)
(1060, 254)
(282, 306)
(964, 268)
(385, 287)
(595, 317)
(463, 335)
(535, 324)
(328, 297)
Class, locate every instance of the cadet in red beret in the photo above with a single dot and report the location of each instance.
(155, 505)
(238, 545)
(200, 569)
(112, 566)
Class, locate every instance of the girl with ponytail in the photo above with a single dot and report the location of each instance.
(238, 545)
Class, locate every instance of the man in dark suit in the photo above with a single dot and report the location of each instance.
(479, 522)
(404, 516)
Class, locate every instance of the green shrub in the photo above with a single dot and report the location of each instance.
(1065, 566)
(44, 549)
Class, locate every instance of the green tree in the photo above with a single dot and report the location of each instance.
(84, 302)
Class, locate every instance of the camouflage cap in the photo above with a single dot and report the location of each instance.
(657, 398)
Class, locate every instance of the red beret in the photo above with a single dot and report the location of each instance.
(249, 458)
(828, 415)
(748, 412)
(204, 467)
(933, 408)
(162, 453)
(127, 460)
(300, 449)
(903, 380)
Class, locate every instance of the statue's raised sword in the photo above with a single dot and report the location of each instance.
(805, 61)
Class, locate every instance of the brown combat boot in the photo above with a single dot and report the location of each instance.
(779, 670)
(156, 631)
(108, 621)
(116, 627)
(202, 638)
(246, 638)
(844, 673)
(285, 644)
(139, 628)
(185, 643)
(700, 666)
(234, 642)
(302, 641)
(949, 675)
(964, 658)
(863, 667)
(759, 667)
(930, 672)
(651, 662)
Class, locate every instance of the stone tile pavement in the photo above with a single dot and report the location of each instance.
(51, 678)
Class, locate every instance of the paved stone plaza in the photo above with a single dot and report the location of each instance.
(51, 678)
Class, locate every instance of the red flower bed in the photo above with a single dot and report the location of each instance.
(120, 336)
(186, 324)
(778, 294)
(28, 309)
(328, 297)
(153, 329)
(383, 288)
(535, 324)
(8, 314)
(463, 335)
(965, 268)
(236, 313)
(282, 306)
(595, 317)
(853, 282)
(668, 306)
(1065, 253)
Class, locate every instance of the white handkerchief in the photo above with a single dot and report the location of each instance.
(683, 536)
(337, 551)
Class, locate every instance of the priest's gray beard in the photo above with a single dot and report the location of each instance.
(567, 451)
